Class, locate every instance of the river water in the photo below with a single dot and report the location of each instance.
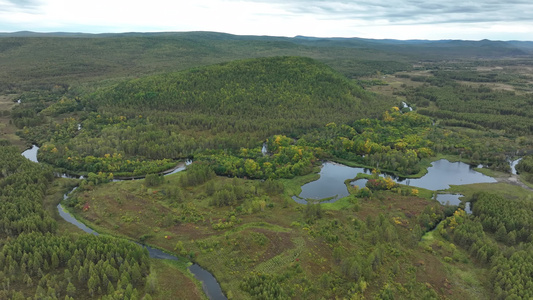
(209, 283)
(513, 166)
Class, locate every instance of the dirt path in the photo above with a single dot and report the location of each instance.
(514, 180)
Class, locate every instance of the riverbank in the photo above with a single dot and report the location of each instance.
(168, 279)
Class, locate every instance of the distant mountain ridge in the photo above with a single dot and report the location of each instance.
(30, 59)
(344, 41)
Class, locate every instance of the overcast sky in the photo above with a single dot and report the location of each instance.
(395, 19)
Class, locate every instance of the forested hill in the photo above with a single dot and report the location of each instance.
(175, 115)
(277, 94)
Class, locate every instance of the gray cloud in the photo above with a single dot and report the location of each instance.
(405, 12)
(21, 5)
(466, 19)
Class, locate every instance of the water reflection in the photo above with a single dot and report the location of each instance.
(209, 283)
(359, 183)
(449, 199)
(468, 208)
(443, 173)
(180, 167)
(440, 176)
(330, 184)
(453, 199)
(31, 153)
(69, 218)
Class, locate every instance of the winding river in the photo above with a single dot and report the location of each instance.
(329, 187)
(209, 283)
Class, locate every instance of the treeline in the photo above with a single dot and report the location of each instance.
(60, 267)
(23, 185)
(284, 159)
(396, 143)
(499, 237)
(282, 95)
(471, 75)
(37, 263)
(40, 62)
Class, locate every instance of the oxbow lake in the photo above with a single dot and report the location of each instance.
(440, 176)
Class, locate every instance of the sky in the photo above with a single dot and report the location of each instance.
(378, 19)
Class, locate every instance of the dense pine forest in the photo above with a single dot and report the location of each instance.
(255, 118)
(37, 262)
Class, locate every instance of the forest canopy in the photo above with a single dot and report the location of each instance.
(138, 126)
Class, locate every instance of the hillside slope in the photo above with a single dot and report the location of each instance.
(274, 89)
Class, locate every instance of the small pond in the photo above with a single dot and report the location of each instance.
(330, 184)
(31, 153)
(453, 199)
(449, 199)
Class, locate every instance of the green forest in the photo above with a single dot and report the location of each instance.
(251, 120)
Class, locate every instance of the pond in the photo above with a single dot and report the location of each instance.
(440, 176)
(453, 199)
(443, 173)
(330, 184)
(31, 153)
(449, 199)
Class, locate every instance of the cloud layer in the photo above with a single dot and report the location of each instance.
(402, 19)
